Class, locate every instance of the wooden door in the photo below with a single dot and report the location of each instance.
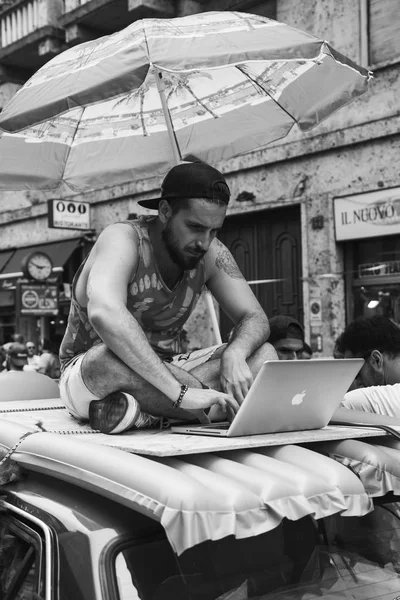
(267, 245)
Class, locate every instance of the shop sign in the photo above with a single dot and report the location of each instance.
(9, 284)
(68, 214)
(37, 299)
(367, 215)
(391, 267)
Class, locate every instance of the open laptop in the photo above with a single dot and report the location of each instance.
(287, 395)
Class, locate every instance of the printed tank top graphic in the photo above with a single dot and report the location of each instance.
(161, 312)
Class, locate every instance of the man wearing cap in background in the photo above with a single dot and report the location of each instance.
(287, 337)
(16, 356)
(121, 360)
(16, 337)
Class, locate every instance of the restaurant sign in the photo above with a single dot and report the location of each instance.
(367, 215)
(37, 299)
(379, 269)
(68, 214)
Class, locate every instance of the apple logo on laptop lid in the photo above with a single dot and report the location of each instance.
(298, 398)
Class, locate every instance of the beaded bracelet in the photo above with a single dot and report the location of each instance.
(177, 403)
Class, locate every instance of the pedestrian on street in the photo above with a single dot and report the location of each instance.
(33, 358)
(16, 356)
(49, 362)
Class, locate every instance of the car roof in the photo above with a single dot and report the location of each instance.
(195, 498)
(65, 506)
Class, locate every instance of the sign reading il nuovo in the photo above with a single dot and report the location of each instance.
(367, 215)
(69, 214)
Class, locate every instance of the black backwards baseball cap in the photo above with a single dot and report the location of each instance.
(17, 353)
(191, 180)
(282, 327)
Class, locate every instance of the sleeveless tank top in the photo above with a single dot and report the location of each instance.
(160, 311)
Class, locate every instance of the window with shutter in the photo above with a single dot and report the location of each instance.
(383, 31)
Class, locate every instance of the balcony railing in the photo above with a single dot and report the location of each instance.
(72, 4)
(24, 17)
(86, 19)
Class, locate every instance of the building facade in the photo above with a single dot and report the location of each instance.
(314, 218)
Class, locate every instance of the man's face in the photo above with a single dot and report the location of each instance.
(368, 374)
(288, 348)
(30, 349)
(378, 369)
(189, 232)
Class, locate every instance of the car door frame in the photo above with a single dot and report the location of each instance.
(49, 550)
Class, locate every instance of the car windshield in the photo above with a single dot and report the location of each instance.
(334, 558)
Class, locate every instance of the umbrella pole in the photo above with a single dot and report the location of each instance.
(178, 158)
(213, 317)
(172, 137)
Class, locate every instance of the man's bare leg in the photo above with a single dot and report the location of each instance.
(103, 373)
(209, 372)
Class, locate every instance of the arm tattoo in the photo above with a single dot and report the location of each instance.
(225, 262)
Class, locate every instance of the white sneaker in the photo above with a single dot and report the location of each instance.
(119, 412)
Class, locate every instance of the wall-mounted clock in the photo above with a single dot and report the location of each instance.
(37, 265)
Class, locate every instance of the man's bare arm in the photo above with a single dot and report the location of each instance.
(225, 262)
(234, 295)
(251, 330)
(116, 258)
(348, 415)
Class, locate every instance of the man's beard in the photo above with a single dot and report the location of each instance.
(186, 263)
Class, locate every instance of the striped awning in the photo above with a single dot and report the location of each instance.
(10, 270)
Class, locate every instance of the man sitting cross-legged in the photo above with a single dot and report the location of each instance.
(120, 356)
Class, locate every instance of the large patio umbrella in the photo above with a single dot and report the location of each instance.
(130, 105)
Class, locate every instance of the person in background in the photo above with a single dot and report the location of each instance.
(306, 353)
(17, 338)
(33, 358)
(16, 356)
(286, 336)
(2, 359)
(49, 363)
(376, 340)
